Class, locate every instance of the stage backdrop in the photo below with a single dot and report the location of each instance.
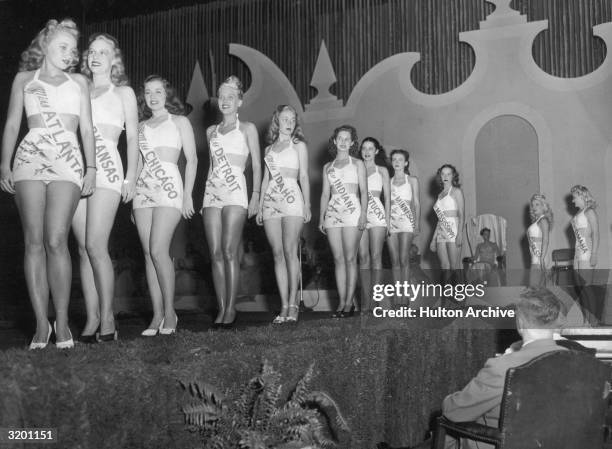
(490, 108)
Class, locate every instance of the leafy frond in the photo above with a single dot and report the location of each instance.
(329, 408)
(300, 393)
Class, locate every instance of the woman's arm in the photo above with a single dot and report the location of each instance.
(594, 222)
(189, 149)
(87, 137)
(544, 226)
(264, 188)
(302, 151)
(458, 195)
(363, 194)
(325, 192)
(253, 143)
(11, 130)
(387, 197)
(416, 200)
(130, 111)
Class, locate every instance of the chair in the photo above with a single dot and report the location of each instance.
(556, 401)
(563, 260)
(473, 226)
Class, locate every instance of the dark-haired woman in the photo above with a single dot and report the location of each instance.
(405, 214)
(343, 213)
(284, 208)
(225, 206)
(113, 107)
(48, 175)
(448, 235)
(160, 197)
(377, 226)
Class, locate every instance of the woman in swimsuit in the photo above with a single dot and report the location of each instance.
(377, 226)
(448, 235)
(284, 208)
(343, 213)
(538, 238)
(48, 175)
(113, 107)
(405, 215)
(586, 230)
(225, 206)
(160, 197)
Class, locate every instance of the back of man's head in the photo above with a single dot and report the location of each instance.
(538, 308)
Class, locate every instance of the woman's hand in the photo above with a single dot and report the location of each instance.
(6, 180)
(128, 190)
(307, 213)
(433, 244)
(593, 260)
(363, 221)
(253, 205)
(322, 227)
(89, 182)
(259, 217)
(188, 210)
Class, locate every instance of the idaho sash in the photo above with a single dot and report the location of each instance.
(276, 175)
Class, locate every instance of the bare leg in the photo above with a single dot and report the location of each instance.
(350, 245)
(292, 227)
(144, 218)
(394, 254)
(334, 236)
(377, 240)
(274, 232)
(62, 200)
(30, 197)
(213, 227)
(164, 223)
(233, 218)
(365, 268)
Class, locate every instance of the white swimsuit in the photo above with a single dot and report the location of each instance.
(376, 210)
(584, 245)
(344, 208)
(448, 221)
(534, 238)
(283, 197)
(402, 216)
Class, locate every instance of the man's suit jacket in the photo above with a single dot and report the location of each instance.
(480, 400)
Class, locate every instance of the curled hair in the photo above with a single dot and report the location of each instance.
(32, 58)
(234, 82)
(455, 181)
(173, 104)
(406, 158)
(585, 194)
(353, 150)
(483, 230)
(297, 135)
(539, 308)
(380, 157)
(117, 75)
(548, 214)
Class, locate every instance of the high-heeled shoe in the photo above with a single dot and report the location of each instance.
(347, 313)
(89, 339)
(280, 319)
(111, 336)
(230, 324)
(66, 344)
(42, 345)
(292, 319)
(153, 332)
(169, 330)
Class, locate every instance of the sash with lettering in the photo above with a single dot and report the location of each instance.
(581, 242)
(341, 189)
(535, 250)
(374, 206)
(405, 208)
(280, 186)
(444, 222)
(104, 160)
(57, 130)
(155, 166)
(222, 167)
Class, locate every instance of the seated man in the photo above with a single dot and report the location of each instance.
(537, 315)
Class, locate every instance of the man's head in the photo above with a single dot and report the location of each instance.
(538, 312)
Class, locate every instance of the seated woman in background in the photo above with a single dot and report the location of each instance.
(485, 257)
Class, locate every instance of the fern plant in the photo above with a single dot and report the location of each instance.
(256, 417)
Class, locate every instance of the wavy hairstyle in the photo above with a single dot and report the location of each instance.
(585, 194)
(380, 157)
(539, 308)
(234, 82)
(406, 158)
(173, 104)
(548, 213)
(455, 181)
(353, 150)
(32, 58)
(117, 75)
(297, 135)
